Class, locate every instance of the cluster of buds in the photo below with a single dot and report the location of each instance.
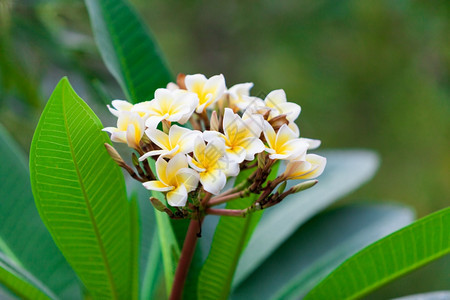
(226, 131)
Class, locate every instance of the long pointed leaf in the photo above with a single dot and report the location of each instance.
(23, 236)
(405, 250)
(319, 246)
(230, 239)
(22, 283)
(127, 48)
(80, 194)
(346, 170)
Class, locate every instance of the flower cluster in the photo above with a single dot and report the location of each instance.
(225, 131)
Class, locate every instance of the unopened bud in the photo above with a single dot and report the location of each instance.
(278, 121)
(261, 160)
(158, 204)
(145, 142)
(214, 123)
(180, 81)
(165, 126)
(282, 187)
(304, 186)
(114, 155)
(135, 159)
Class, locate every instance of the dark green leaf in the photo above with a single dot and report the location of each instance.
(80, 194)
(405, 250)
(127, 48)
(230, 239)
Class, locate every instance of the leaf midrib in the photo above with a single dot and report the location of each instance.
(86, 199)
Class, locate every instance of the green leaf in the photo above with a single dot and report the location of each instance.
(405, 250)
(230, 239)
(135, 227)
(23, 236)
(345, 171)
(20, 282)
(128, 49)
(319, 246)
(80, 194)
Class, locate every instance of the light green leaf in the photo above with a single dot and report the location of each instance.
(405, 250)
(230, 239)
(345, 171)
(22, 283)
(152, 270)
(80, 194)
(128, 49)
(23, 236)
(135, 227)
(318, 247)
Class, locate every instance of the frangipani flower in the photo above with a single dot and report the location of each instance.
(239, 96)
(209, 160)
(310, 168)
(241, 137)
(175, 178)
(208, 90)
(119, 106)
(170, 105)
(284, 144)
(179, 140)
(130, 129)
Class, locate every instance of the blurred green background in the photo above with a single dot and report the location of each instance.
(368, 74)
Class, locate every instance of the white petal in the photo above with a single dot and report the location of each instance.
(228, 118)
(153, 121)
(211, 135)
(176, 163)
(161, 170)
(313, 144)
(156, 185)
(177, 197)
(270, 135)
(274, 98)
(213, 181)
(152, 153)
(159, 138)
(194, 82)
(189, 178)
(254, 145)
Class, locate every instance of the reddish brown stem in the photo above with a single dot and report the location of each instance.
(222, 199)
(226, 212)
(187, 253)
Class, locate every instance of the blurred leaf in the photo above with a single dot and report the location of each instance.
(22, 283)
(230, 239)
(318, 247)
(80, 194)
(405, 250)
(23, 236)
(169, 246)
(152, 270)
(128, 49)
(438, 295)
(135, 227)
(345, 171)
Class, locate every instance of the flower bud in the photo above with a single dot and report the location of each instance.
(303, 186)
(262, 160)
(214, 123)
(158, 204)
(114, 155)
(180, 81)
(282, 187)
(278, 121)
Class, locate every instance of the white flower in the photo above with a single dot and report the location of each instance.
(311, 167)
(130, 129)
(175, 178)
(241, 137)
(210, 161)
(208, 90)
(284, 144)
(179, 140)
(119, 106)
(240, 96)
(170, 105)
(276, 101)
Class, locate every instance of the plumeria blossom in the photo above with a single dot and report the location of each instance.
(118, 106)
(175, 178)
(239, 95)
(241, 137)
(171, 105)
(309, 168)
(284, 144)
(193, 165)
(179, 140)
(209, 91)
(211, 163)
(130, 129)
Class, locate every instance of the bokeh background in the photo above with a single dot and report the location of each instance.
(368, 74)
